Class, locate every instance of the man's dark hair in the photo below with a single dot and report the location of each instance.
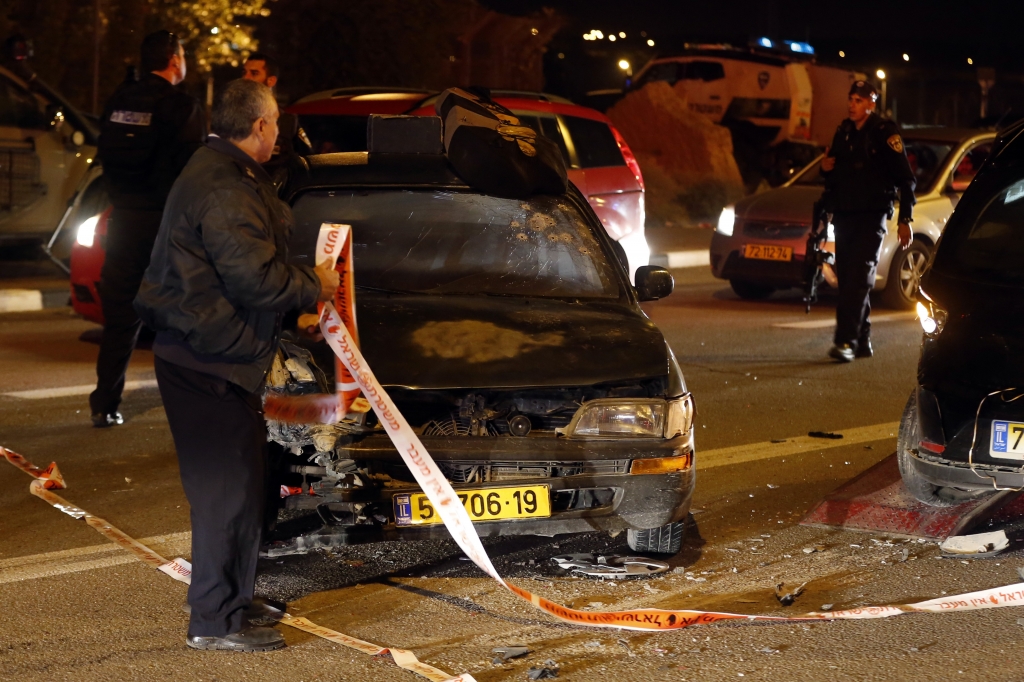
(157, 50)
(240, 104)
(269, 63)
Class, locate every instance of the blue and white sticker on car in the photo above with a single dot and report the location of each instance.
(403, 510)
(1007, 440)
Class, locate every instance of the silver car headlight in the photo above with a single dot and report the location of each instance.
(726, 221)
(87, 231)
(632, 418)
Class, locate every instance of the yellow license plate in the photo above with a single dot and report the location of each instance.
(486, 504)
(766, 252)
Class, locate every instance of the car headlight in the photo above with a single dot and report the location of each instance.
(726, 221)
(932, 318)
(87, 231)
(632, 418)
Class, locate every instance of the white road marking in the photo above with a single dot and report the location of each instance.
(831, 322)
(739, 454)
(63, 391)
(20, 300)
(88, 558)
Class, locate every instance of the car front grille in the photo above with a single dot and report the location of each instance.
(773, 230)
(484, 472)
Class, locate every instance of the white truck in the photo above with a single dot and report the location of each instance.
(784, 93)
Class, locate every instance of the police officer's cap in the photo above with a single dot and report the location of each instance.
(865, 90)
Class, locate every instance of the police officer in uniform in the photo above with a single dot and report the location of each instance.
(149, 131)
(864, 168)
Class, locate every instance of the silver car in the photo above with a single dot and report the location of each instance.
(759, 243)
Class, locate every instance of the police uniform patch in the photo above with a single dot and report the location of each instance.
(896, 143)
(132, 118)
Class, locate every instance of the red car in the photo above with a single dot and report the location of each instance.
(598, 159)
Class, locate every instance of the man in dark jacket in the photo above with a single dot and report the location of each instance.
(864, 168)
(149, 131)
(215, 292)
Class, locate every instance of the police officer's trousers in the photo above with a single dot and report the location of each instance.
(220, 437)
(130, 237)
(858, 247)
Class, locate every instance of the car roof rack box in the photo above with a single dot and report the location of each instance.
(404, 135)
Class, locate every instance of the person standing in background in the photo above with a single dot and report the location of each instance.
(150, 130)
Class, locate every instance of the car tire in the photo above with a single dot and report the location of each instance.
(905, 272)
(751, 291)
(667, 539)
(909, 438)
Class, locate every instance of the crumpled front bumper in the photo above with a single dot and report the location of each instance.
(637, 501)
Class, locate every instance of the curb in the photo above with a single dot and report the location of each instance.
(27, 300)
(682, 259)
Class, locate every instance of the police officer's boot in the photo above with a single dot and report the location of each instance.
(864, 349)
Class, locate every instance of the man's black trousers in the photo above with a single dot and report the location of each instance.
(130, 238)
(858, 247)
(220, 437)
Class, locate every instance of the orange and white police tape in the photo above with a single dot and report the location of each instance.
(338, 327)
(49, 479)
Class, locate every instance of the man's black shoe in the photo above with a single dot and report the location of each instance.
(864, 349)
(261, 611)
(102, 420)
(246, 639)
(843, 352)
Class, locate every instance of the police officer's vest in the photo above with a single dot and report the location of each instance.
(130, 140)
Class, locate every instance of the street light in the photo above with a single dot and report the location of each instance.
(650, 42)
(906, 57)
(624, 65)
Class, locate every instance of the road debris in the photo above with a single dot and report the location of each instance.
(625, 645)
(504, 653)
(824, 434)
(548, 671)
(827, 607)
(610, 566)
(787, 598)
(979, 544)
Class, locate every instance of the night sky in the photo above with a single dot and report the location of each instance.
(872, 33)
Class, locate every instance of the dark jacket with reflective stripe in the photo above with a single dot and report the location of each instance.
(871, 165)
(149, 130)
(218, 282)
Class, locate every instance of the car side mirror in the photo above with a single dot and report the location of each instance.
(653, 282)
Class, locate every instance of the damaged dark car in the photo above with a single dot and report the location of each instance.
(508, 334)
(962, 434)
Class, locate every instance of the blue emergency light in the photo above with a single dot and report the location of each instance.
(802, 48)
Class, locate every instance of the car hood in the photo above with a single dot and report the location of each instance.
(444, 342)
(783, 204)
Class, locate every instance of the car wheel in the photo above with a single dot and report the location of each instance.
(665, 540)
(908, 266)
(909, 438)
(751, 291)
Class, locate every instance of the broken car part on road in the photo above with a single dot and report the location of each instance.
(612, 566)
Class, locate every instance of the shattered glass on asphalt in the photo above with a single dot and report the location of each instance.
(435, 242)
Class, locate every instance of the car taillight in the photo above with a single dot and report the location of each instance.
(627, 155)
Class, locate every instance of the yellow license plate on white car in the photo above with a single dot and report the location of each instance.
(1007, 440)
(767, 252)
(486, 504)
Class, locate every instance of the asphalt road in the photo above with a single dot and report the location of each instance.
(76, 608)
